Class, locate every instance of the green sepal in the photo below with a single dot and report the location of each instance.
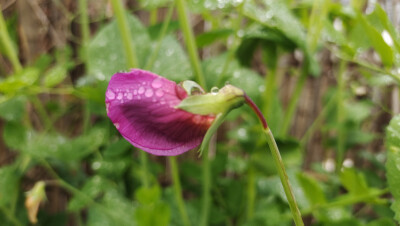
(227, 98)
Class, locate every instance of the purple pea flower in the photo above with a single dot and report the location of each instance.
(143, 107)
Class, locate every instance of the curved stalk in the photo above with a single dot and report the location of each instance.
(278, 163)
(178, 190)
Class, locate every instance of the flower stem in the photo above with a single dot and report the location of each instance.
(125, 33)
(8, 46)
(278, 163)
(190, 42)
(178, 190)
(206, 188)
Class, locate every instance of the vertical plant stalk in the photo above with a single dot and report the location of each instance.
(132, 62)
(8, 46)
(125, 33)
(278, 163)
(205, 210)
(251, 192)
(195, 62)
(190, 42)
(340, 117)
(178, 190)
(85, 32)
(291, 109)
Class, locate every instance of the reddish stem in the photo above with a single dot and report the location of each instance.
(256, 110)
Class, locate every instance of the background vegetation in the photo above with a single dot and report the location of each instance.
(325, 74)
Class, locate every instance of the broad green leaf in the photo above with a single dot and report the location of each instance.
(62, 148)
(15, 135)
(392, 143)
(318, 17)
(55, 76)
(311, 189)
(9, 183)
(354, 181)
(13, 109)
(171, 61)
(207, 38)
(106, 54)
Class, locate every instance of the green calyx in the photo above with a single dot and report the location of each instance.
(216, 102)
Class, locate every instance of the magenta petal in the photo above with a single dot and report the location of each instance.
(142, 107)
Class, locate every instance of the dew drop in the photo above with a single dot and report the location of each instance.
(149, 93)
(129, 96)
(116, 125)
(159, 93)
(110, 95)
(141, 90)
(157, 83)
(119, 97)
(134, 92)
(214, 90)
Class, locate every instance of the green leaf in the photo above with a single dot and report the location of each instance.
(15, 135)
(25, 78)
(55, 76)
(376, 40)
(207, 38)
(9, 182)
(354, 181)
(392, 143)
(13, 109)
(106, 55)
(311, 189)
(172, 62)
(153, 4)
(62, 148)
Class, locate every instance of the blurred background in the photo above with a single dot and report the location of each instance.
(325, 74)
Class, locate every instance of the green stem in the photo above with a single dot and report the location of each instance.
(251, 192)
(143, 161)
(178, 190)
(190, 42)
(311, 129)
(85, 30)
(124, 30)
(278, 163)
(195, 62)
(164, 29)
(153, 16)
(8, 46)
(132, 62)
(284, 177)
(340, 117)
(291, 109)
(206, 188)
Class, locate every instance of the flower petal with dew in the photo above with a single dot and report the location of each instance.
(143, 107)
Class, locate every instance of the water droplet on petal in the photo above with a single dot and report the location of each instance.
(141, 90)
(116, 125)
(196, 119)
(119, 97)
(134, 92)
(214, 90)
(159, 93)
(157, 83)
(110, 95)
(129, 96)
(149, 93)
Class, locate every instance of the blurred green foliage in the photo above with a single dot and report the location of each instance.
(52, 123)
